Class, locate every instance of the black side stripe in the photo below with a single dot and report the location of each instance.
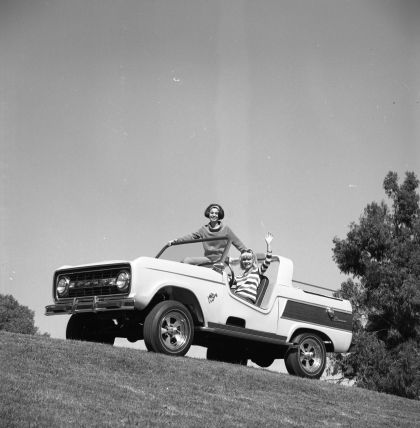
(305, 312)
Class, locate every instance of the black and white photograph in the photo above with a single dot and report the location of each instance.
(209, 213)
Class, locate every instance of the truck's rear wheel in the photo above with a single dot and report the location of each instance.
(288, 363)
(169, 329)
(308, 359)
(89, 328)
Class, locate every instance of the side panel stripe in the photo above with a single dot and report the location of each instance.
(305, 312)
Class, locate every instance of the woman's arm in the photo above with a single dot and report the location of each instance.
(266, 263)
(189, 237)
(237, 243)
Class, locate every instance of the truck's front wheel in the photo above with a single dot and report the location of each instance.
(169, 329)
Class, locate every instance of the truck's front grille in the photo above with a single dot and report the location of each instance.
(93, 281)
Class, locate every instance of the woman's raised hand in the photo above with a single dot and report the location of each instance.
(268, 238)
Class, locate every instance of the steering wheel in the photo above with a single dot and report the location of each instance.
(230, 275)
(220, 267)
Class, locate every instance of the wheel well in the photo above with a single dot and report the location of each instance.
(329, 346)
(182, 295)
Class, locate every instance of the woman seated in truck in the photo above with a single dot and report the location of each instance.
(246, 284)
(213, 250)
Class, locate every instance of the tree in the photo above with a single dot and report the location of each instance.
(382, 254)
(15, 317)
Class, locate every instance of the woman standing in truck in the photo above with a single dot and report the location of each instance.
(213, 250)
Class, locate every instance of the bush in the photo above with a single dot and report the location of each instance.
(15, 317)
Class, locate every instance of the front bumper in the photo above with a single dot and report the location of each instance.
(91, 304)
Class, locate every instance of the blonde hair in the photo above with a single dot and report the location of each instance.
(254, 258)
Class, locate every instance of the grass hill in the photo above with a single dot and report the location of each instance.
(51, 382)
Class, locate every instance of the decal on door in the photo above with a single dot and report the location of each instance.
(211, 297)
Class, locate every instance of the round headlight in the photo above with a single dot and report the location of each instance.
(63, 286)
(123, 280)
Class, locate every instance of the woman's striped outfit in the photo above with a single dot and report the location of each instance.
(246, 285)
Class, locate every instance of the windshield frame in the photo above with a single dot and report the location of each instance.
(190, 241)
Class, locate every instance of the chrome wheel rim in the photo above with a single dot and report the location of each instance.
(175, 330)
(310, 355)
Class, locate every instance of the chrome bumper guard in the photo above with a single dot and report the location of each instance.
(91, 304)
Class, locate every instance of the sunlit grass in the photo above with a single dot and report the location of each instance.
(54, 382)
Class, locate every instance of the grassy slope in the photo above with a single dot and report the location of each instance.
(54, 382)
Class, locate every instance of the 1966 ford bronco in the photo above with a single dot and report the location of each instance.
(172, 305)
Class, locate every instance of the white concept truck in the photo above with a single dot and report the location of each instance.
(172, 305)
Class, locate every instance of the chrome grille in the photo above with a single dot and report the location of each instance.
(93, 281)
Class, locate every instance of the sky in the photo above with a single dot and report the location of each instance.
(121, 120)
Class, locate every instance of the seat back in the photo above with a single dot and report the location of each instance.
(262, 288)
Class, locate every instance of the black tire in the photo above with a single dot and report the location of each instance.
(288, 364)
(89, 328)
(263, 360)
(226, 354)
(106, 336)
(308, 358)
(169, 329)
